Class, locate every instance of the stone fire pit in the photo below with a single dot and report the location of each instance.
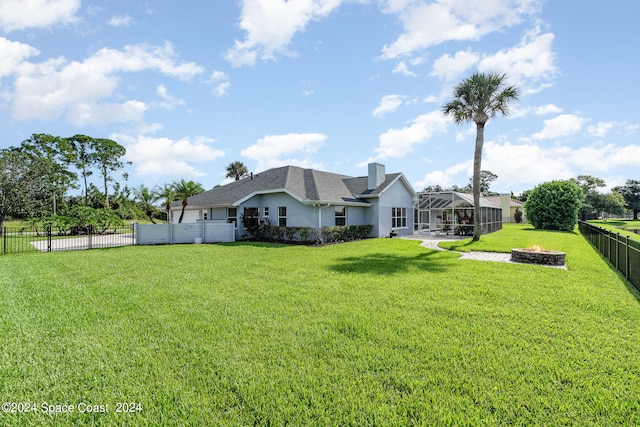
(537, 255)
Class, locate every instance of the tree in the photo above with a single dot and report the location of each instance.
(107, 156)
(168, 195)
(523, 196)
(554, 205)
(486, 179)
(631, 193)
(53, 155)
(185, 189)
(145, 199)
(592, 198)
(612, 204)
(237, 170)
(477, 99)
(18, 183)
(83, 159)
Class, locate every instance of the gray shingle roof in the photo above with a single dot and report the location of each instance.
(307, 185)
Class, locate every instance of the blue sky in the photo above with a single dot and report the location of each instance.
(189, 87)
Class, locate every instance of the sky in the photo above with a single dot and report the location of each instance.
(187, 87)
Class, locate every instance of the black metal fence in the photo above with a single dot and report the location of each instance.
(51, 239)
(621, 251)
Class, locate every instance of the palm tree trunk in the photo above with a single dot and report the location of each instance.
(184, 206)
(477, 160)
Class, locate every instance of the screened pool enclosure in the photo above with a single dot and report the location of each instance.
(452, 213)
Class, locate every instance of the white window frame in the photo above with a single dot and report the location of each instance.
(336, 216)
(398, 217)
(282, 217)
(232, 218)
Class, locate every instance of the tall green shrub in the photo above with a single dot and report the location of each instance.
(554, 205)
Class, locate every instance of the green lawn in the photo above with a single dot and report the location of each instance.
(624, 227)
(377, 332)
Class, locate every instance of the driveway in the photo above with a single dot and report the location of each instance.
(88, 242)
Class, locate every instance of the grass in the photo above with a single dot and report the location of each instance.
(377, 332)
(624, 227)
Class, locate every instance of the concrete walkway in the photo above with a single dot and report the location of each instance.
(431, 242)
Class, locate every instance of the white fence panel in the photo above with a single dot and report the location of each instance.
(162, 234)
(186, 233)
(215, 232)
(153, 234)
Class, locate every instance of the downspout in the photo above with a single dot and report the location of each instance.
(320, 207)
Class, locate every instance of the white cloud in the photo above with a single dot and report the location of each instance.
(528, 64)
(221, 83)
(522, 166)
(270, 25)
(388, 104)
(427, 24)
(278, 150)
(447, 177)
(89, 113)
(561, 126)
(80, 91)
(169, 102)
(541, 110)
(400, 142)
(120, 21)
(13, 54)
(403, 69)
(162, 157)
(449, 68)
(601, 129)
(24, 14)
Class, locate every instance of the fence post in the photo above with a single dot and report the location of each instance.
(627, 260)
(90, 232)
(49, 239)
(4, 238)
(618, 251)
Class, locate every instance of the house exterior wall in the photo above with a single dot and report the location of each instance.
(298, 215)
(395, 196)
(190, 215)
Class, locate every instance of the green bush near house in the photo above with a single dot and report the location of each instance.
(373, 332)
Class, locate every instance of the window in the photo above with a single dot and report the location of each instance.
(232, 215)
(282, 216)
(398, 217)
(266, 211)
(341, 215)
(251, 217)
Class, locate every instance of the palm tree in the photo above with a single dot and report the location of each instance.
(237, 170)
(477, 99)
(185, 189)
(168, 195)
(145, 199)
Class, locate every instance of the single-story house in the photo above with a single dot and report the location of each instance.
(294, 196)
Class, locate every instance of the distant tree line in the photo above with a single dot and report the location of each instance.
(37, 176)
(592, 203)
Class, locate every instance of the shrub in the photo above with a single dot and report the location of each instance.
(518, 215)
(554, 205)
(345, 233)
(257, 228)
